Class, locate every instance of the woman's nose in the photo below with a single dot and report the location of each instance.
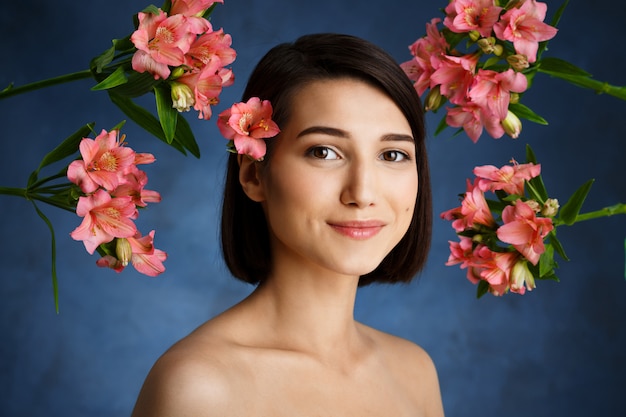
(360, 182)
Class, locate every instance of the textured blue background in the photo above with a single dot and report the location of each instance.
(558, 351)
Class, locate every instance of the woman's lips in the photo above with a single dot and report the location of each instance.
(359, 230)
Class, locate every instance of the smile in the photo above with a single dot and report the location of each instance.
(358, 230)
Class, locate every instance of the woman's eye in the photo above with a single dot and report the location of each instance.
(322, 152)
(394, 156)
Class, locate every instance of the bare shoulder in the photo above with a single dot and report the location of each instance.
(193, 378)
(414, 367)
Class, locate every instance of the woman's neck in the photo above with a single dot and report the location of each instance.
(312, 314)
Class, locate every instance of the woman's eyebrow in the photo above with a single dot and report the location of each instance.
(324, 130)
(333, 131)
(398, 137)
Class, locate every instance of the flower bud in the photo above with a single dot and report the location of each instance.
(474, 35)
(498, 49)
(486, 44)
(535, 206)
(182, 96)
(520, 275)
(513, 97)
(512, 125)
(177, 72)
(123, 251)
(550, 207)
(518, 62)
(434, 99)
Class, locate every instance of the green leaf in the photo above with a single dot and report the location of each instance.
(139, 83)
(123, 45)
(524, 112)
(116, 78)
(482, 288)
(143, 118)
(55, 286)
(569, 211)
(68, 147)
(168, 116)
(556, 244)
(557, 65)
(184, 136)
(546, 261)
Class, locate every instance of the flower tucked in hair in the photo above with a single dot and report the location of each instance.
(246, 125)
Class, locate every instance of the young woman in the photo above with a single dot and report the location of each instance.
(341, 199)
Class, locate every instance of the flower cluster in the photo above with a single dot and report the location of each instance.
(483, 82)
(501, 242)
(182, 48)
(246, 125)
(113, 190)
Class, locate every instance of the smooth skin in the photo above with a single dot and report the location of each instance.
(338, 193)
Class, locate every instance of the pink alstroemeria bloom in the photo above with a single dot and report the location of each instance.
(492, 90)
(103, 162)
(428, 52)
(474, 207)
(206, 85)
(105, 218)
(162, 41)
(461, 252)
(133, 186)
(509, 178)
(209, 46)
(473, 119)
(472, 212)
(524, 230)
(525, 27)
(247, 124)
(455, 76)
(467, 15)
(496, 268)
(145, 257)
(191, 7)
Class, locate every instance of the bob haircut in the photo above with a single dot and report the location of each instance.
(281, 73)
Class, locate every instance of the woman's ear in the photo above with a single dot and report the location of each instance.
(249, 178)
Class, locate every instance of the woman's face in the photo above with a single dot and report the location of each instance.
(341, 185)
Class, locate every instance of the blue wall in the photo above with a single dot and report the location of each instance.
(558, 351)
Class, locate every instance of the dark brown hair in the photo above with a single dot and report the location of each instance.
(284, 70)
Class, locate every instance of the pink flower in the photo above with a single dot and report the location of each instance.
(496, 268)
(491, 90)
(133, 186)
(467, 15)
(468, 117)
(208, 47)
(455, 76)
(104, 160)
(162, 41)
(191, 7)
(524, 27)
(510, 178)
(461, 252)
(105, 218)
(474, 207)
(473, 211)
(144, 256)
(247, 124)
(206, 86)
(428, 52)
(524, 230)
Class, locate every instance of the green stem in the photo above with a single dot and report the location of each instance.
(12, 91)
(24, 193)
(619, 208)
